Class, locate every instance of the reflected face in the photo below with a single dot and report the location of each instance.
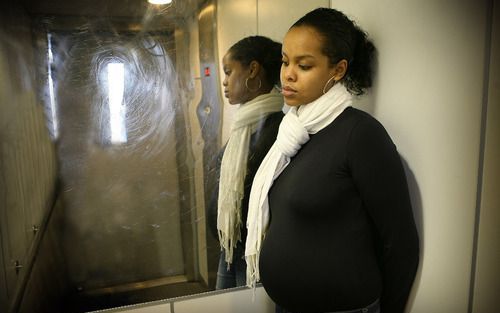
(305, 69)
(235, 75)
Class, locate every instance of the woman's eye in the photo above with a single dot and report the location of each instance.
(285, 63)
(305, 67)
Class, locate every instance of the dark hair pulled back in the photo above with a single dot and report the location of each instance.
(263, 50)
(343, 39)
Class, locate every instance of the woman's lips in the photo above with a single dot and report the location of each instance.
(287, 91)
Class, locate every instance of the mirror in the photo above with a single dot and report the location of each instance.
(134, 129)
(110, 121)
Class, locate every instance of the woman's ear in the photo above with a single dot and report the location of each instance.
(339, 70)
(254, 69)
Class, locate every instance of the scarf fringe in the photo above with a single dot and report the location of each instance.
(234, 168)
(230, 236)
(253, 275)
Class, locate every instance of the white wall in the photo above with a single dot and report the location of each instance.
(487, 278)
(223, 301)
(429, 95)
(276, 17)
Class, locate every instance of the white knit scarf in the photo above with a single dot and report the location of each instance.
(293, 132)
(234, 167)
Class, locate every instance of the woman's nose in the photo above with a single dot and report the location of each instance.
(288, 74)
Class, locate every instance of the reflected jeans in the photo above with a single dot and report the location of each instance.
(236, 275)
(372, 308)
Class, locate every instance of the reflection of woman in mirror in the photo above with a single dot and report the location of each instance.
(335, 232)
(251, 68)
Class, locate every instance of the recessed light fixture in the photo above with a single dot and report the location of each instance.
(160, 1)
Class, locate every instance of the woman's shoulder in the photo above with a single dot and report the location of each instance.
(357, 115)
(365, 129)
(359, 119)
(356, 126)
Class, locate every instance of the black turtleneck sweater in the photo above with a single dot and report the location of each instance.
(342, 232)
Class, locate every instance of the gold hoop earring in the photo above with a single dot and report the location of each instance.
(246, 85)
(324, 88)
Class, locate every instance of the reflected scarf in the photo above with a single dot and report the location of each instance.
(293, 132)
(234, 167)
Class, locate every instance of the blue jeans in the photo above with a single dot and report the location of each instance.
(372, 308)
(237, 273)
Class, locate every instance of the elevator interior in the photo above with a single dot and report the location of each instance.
(110, 124)
(437, 90)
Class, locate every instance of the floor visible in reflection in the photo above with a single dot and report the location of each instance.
(78, 303)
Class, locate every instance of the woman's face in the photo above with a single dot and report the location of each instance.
(234, 80)
(305, 69)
